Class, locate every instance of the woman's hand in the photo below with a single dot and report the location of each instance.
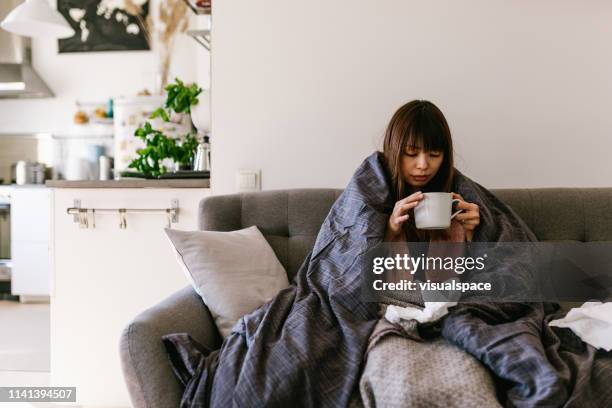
(400, 215)
(469, 218)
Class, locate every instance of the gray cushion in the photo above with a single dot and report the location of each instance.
(234, 272)
(289, 219)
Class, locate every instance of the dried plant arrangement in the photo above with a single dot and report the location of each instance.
(134, 8)
(161, 28)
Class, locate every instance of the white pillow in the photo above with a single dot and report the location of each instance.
(234, 272)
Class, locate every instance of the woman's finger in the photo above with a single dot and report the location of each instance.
(463, 202)
(411, 197)
(468, 221)
(462, 205)
(402, 209)
(400, 220)
(411, 204)
(460, 216)
(467, 216)
(418, 196)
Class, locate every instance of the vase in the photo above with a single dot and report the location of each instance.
(182, 166)
(183, 119)
(200, 113)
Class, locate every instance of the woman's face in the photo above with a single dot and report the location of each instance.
(420, 167)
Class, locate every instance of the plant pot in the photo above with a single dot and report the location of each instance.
(182, 119)
(200, 113)
(182, 166)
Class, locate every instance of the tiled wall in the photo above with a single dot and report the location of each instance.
(13, 149)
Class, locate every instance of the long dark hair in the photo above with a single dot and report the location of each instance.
(418, 124)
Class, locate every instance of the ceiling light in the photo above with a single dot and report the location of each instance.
(35, 18)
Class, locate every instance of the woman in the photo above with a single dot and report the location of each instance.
(418, 152)
(305, 347)
(418, 157)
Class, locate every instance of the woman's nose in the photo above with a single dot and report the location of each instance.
(422, 161)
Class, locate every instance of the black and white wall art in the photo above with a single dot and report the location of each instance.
(105, 25)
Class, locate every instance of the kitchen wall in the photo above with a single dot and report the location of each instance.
(94, 76)
(303, 90)
(33, 148)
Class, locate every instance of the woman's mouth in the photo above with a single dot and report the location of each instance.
(420, 178)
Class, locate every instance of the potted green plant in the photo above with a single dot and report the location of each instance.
(179, 99)
(160, 147)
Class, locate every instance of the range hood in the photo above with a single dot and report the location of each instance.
(17, 76)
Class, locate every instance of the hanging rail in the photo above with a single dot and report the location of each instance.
(81, 215)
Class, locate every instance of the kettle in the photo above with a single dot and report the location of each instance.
(29, 173)
(202, 158)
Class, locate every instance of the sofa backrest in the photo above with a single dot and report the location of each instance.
(563, 214)
(290, 219)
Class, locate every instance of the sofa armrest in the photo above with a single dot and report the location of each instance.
(146, 368)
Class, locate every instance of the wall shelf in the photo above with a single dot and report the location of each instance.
(196, 9)
(202, 37)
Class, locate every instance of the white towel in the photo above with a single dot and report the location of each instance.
(432, 312)
(592, 322)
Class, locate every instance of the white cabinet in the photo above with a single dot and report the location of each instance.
(30, 240)
(103, 277)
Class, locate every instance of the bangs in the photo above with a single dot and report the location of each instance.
(420, 125)
(425, 132)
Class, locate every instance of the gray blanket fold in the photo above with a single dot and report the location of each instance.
(306, 346)
(404, 369)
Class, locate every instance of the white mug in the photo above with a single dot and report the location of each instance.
(434, 211)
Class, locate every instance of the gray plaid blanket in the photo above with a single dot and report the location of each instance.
(306, 346)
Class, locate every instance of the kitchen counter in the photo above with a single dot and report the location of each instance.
(135, 183)
(132, 267)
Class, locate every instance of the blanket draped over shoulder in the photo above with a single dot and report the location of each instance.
(306, 347)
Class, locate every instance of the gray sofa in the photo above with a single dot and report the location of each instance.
(290, 220)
